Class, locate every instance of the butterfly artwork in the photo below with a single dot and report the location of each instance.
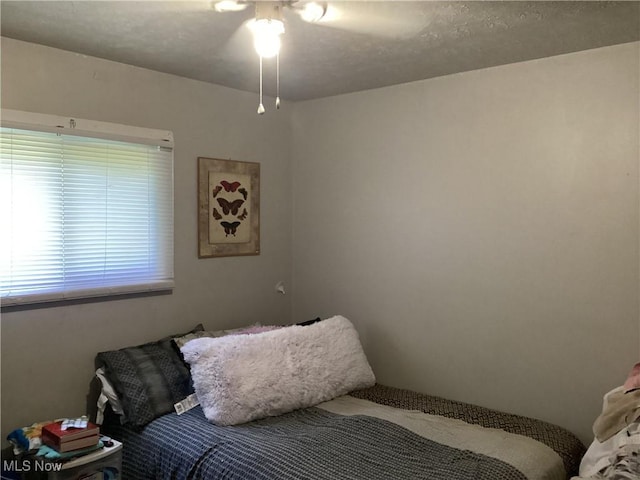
(230, 207)
(230, 186)
(230, 228)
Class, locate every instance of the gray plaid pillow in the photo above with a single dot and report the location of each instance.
(149, 379)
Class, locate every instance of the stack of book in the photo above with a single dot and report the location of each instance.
(70, 439)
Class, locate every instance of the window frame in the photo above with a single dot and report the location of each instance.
(39, 122)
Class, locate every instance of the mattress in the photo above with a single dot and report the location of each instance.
(375, 433)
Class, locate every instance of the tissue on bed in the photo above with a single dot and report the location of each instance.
(242, 378)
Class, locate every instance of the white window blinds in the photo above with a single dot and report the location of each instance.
(83, 216)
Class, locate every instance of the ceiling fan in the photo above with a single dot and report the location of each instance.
(377, 18)
(309, 11)
(268, 26)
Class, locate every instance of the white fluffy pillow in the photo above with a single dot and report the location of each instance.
(246, 377)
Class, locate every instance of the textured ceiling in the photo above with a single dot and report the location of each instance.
(359, 45)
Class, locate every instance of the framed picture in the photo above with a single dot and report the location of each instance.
(228, 208)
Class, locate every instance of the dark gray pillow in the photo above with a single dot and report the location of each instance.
(309, 322)
(149, 379)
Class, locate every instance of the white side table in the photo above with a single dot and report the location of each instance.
(105, 463)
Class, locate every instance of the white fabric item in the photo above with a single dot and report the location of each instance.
(534, 459)
(242, 378)
(600, 455)
(107, 395)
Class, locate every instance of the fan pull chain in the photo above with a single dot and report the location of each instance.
(261, 106)
(278, 81)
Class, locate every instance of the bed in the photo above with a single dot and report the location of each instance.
(370, 432)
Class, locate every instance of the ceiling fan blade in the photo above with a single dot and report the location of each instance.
(230, 5)
(310, 12)
(380, 19)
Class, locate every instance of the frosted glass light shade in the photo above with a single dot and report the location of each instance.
(266, 36)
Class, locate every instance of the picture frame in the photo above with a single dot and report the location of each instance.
(228, 208)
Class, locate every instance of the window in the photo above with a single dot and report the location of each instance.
(86, 209)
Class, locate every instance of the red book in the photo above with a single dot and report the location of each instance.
(56, 435)
(77, 444)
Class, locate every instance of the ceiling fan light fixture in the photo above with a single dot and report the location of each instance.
(313, 11)
(229, 6)
(267, 27)
(266, 36)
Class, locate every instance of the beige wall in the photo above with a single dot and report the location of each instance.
(481, 230)
(47, 353)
